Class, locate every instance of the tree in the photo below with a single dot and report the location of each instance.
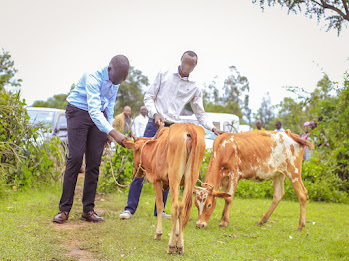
(235, 98)
(338, 10)
(58, 101)
(7, 71)
(265, 113)
(131, 91)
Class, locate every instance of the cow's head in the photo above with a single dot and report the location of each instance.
(205, 201)
(137, 148)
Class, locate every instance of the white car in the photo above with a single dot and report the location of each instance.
(222, 121)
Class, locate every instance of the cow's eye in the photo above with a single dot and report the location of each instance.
(209, 205)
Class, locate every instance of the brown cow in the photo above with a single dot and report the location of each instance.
(254, 155)
(172, 160)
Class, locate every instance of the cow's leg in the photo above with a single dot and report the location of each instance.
(302, 194)
(184, 209)
(278, 184)
(172, 244)
(160, 208)
(226, 210)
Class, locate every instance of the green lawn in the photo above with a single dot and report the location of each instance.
(27, 233)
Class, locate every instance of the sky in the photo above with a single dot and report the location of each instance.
(54, 42)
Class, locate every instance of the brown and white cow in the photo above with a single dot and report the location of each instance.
(172, 160)
(254, 155)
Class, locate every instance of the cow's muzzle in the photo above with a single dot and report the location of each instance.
(200, 224)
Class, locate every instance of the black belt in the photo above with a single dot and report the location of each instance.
(167, 124)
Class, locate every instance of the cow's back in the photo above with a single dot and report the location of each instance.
(258, 154)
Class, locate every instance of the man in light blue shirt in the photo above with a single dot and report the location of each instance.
(90, 113)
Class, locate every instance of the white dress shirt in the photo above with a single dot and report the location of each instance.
(168, 95)
(139, 124)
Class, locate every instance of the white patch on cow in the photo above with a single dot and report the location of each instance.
(224, 142)
(282, 151)
(201, 198)
(232, 139)
(294, 180)
(214, 154)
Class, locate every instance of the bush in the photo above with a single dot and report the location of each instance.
(23, 160)
(122, 164)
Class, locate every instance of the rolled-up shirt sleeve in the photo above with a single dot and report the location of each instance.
(198, 108)
(150, 95)
(93, 83)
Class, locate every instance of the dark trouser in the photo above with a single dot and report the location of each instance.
(137, 185)
(83, 138)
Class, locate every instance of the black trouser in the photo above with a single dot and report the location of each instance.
(83, 138)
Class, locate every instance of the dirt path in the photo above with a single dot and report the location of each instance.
(75, 250)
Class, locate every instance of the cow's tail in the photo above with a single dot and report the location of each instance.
(196, 152)
(299, 140)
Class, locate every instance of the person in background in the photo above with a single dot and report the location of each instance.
(140, 122)
(307, 126)
(259, 126)
(89, 113)
(278, 126)
(123, 121)
(323, 140)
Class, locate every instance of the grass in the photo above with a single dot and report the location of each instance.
(27, 233)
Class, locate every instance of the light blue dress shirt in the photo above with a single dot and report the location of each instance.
(95, 93)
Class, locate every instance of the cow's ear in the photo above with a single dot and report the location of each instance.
(129, 144)
(195, 189)
(221, 194)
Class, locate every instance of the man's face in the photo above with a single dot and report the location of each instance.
(278, 125)
(127, 112)
(258, 125)
(144, 111)
(116, 76)
(188, 64)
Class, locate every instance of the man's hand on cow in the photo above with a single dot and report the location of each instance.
(158, 119)
(118, 137)
(217, 132)
(109, 139)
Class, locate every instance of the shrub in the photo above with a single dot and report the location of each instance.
(24, 160)
(122, 164)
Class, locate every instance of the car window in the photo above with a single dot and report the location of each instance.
(62, 122)
(42, 117)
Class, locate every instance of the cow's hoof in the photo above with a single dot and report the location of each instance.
(260, 223)
(158, 237)
(171, 250)
(300, 227)
(180, 250)
(223, 225)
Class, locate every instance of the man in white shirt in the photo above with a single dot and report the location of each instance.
(164, 100)
(278, 126)
(140, 122)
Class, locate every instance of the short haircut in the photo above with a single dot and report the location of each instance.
(278, 122)
(142, 108)
(127, 107)
(191, 54)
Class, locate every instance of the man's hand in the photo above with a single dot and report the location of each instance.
(118, 137)
(109, 139)
(217, 132)
(158, 119)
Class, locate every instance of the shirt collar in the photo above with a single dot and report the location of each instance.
(184, 78)
(105, 73)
